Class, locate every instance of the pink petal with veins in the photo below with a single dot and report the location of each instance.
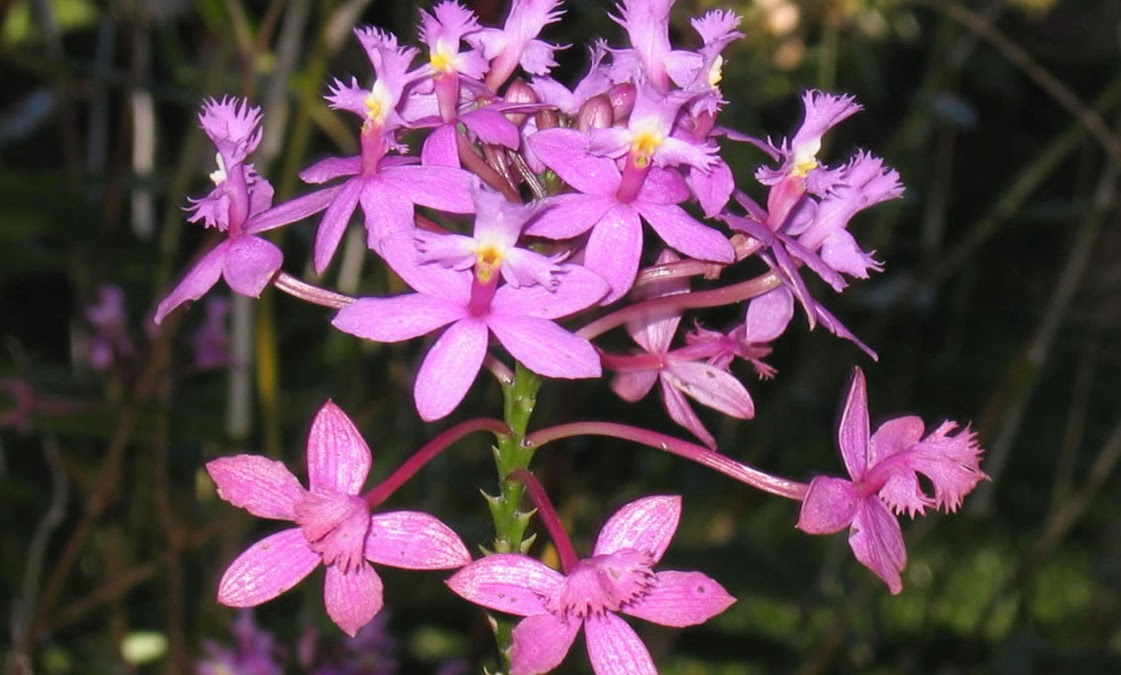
(508, 582)
(402, 317)
(614, 648)
(266, 569)
(352, 598)
(546, 348)
(646, 525)
(450, 368)
(338, 459)
(540, 644)
(414, 540)
(681, 599)
(261, 486)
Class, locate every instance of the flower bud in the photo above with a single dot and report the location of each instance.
(596, 113)
(547, 119)
(622, 100)
(519, 92)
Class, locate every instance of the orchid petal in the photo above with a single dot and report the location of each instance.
(450, 368)
(338, 459)
(261, 486)
(441, 147)
(401, 253)
(266, 569)
(633, 386)
(614, 249)
(852, 432)
(438, 187)
(679, 410)
(645, 524)
(768, 315)
(540, 643)
(389, 213)
(570, 215)
(829, 506)
(334, 222)
(291, 210)
(200, 279)
(710, 386)
(414, 540)
(577, 288)
(712, 189)
(565, 151)
(353, 597)
(546, 348)
(877, 542)
(398, 318)
(684, 233)
(508, 582)
(250, 264)
(680, 599)
(614, 648)
(332, 167)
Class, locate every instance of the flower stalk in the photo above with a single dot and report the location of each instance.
(511, 453)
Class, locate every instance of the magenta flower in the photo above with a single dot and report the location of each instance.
(387, 187)
(246, 262)
(211, 341)
(516, 42)
(492, 249)
(799, 154)
(885, 467)
(334, 526)
(613, 208)
(473, 302)
(255, 651)
(239, 206)
(619, 577)
(110, 340)
(647, 26)
(680, 372)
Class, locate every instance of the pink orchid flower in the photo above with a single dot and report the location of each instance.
(619, 577)
(885, 467)
(333, 526)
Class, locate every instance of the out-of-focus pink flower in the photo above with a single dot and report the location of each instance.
(110, 340)
(211, 341)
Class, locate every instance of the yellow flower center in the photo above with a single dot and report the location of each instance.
(800, 169)
(377, 104)
(805, 159)
(488, 259)
(442, 59)
(643, 147)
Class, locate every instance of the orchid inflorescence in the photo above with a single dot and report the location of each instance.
(519, 227)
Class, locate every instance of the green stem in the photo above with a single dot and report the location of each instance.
(511, 454)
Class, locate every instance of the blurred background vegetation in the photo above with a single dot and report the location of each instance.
(1000, 303)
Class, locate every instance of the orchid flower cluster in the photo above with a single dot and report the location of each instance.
(518, 218)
